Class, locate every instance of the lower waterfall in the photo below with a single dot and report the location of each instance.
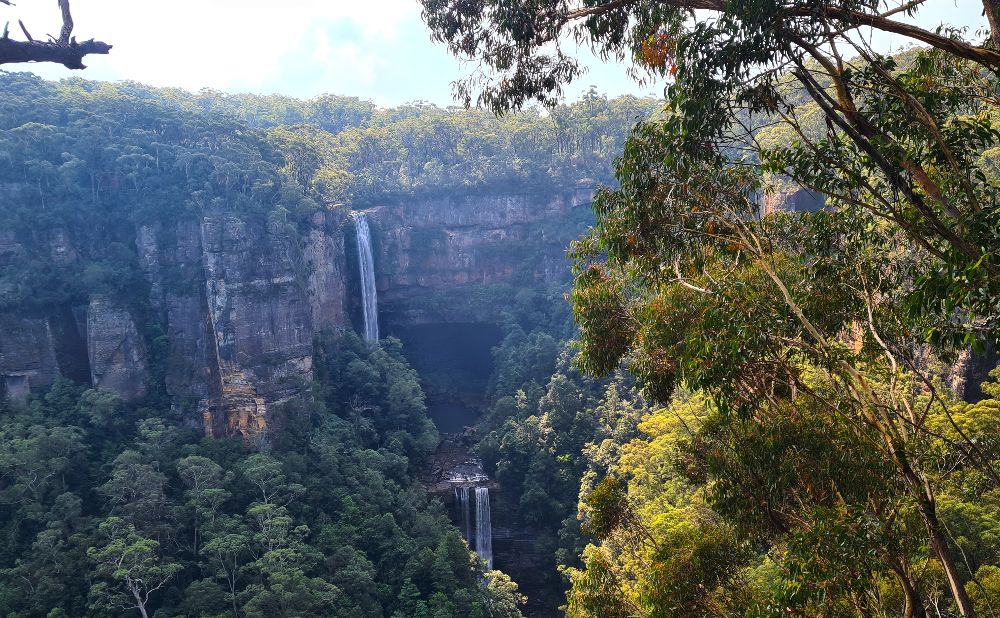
(484, 532)
(464, 514)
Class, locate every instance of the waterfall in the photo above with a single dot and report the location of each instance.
(464, 514)
(484, 532)
(369, 296)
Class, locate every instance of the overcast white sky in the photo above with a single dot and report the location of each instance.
(374, 49)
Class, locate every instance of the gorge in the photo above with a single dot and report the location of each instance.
(195, 280)
(318, 357)
(242, 294)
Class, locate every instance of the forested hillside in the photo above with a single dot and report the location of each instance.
(810, 439)
(110, 508)
(119, 200)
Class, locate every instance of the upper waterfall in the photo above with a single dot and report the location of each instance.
(369, 296)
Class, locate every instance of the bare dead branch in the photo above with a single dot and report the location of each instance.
(67, 28)
(65, 50)
(70, 56)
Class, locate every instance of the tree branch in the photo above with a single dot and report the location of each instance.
(67, 28)
(982, 55)
(64, 50)
(70, 56)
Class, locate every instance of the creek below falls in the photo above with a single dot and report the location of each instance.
(455, 362)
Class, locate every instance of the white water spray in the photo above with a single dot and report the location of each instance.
(484, 532)
(464, 514)
(369, 296)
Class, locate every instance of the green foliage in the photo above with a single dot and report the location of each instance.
(547, 428)
(711, 514)
(803, 331)
(129, 568)
(83, 164)
(689, 281)
(109, 518)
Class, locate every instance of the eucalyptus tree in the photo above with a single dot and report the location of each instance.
(129, 568)
(906, 146)
(689, 280)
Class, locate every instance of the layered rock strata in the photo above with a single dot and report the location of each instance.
(426, 249)
(232, 302)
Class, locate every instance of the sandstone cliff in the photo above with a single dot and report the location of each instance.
(239, 290)
(432, 251)
(116, 351)
(237, 299)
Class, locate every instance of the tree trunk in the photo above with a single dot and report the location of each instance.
(939, 545)
(913, 605)
(139, 603)
(939, 542)
(865, 396)
(993, 16)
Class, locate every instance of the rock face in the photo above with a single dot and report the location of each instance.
(116, 352)
(236, 410)
(149, 261)
(238, 298)
(242, 299)
(793, 199)
(27, 355)
(324, 260)
(970, 370)
(171, 258)
(427, 248)
(258, 305)
(233, 301)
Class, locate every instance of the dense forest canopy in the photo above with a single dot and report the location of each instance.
(76, 154)
(112, 508)
(817, 464)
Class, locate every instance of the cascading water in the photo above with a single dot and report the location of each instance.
(369, 296)
(484, 532)
(464, 514)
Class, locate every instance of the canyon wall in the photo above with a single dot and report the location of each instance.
(433, 254)
(230, 303)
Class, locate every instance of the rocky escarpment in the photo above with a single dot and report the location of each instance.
(242, 299)
(237, 298)
(44, 341)
(793, 198)
(116, 352)
(230, 303)
(431, 252)
(970, 370)
(257, 303)
(27, 355)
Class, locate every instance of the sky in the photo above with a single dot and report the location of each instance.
(373, 49)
